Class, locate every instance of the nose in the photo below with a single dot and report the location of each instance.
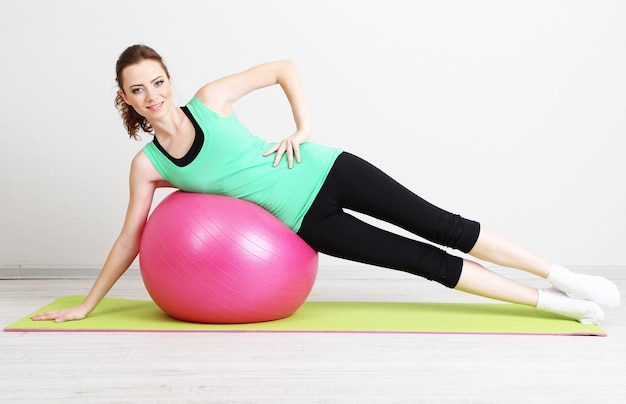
(149, 94)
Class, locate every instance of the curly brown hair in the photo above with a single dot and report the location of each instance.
(133, 55)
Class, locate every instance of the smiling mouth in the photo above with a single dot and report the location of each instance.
(155, 107)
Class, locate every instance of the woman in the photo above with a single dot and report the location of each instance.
(202, 147)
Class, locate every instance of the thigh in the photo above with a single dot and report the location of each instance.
(358, 185)
(342, 235)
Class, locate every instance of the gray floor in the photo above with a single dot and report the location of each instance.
(303, 368)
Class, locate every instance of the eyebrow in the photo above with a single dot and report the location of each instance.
(141, 85)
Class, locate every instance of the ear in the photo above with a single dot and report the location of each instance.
(121, 94)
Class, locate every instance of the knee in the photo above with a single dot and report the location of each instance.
(461, 234)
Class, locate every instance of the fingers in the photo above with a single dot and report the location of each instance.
(49, 315)
(289, 152)
(296, 152)
(59, 316)
(288, 147)
(281, 148)
(272, 150)
(279, 155)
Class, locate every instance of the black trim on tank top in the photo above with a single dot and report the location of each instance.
(193, 152)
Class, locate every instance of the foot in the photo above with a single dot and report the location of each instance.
(585, 287)
(554, 301)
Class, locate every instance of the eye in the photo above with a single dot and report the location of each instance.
(159, 83)
(137, 90)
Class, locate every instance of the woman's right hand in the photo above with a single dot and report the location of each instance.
(72, 313)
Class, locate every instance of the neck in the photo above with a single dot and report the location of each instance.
(170, 125)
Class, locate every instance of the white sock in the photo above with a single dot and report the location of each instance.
(585, 287)
(554, 301)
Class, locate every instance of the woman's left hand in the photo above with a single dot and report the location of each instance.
(289, 146)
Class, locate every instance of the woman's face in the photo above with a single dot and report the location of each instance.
(146, 87)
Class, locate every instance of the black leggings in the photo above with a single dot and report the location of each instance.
(357, 185)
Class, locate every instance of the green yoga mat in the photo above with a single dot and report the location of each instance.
(125, 315)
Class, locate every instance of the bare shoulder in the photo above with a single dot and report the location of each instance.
(214, 95)
(142, 171)
(141, 163)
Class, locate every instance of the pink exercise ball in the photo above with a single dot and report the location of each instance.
(215, 259)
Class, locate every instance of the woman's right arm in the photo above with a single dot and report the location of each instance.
(144, 179)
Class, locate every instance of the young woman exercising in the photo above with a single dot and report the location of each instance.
(202, 147)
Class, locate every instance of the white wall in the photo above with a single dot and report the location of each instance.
(512, 113)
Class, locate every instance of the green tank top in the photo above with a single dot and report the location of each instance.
(226, 159)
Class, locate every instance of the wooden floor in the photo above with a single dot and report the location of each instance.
(303, 368)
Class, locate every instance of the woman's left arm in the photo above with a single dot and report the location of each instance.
(220, 95)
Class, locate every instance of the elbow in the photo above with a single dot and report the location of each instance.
(290, 65)
(287, 70)
(129, 247)
(129, 242)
